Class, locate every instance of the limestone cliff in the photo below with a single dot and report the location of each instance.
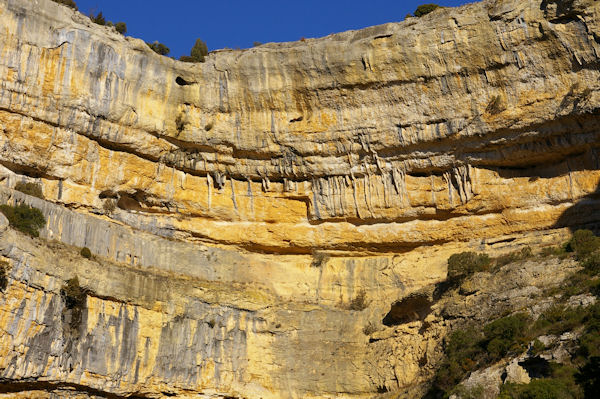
(239, 209)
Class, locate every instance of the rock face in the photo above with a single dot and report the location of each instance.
(254, 217)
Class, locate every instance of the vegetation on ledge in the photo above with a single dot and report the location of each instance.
(3, 275)
(74, 297)
(32, 189)
(423, 9)
(159, 48)
(24, 218)
(475, 347)
(68, 3)
(198, 52)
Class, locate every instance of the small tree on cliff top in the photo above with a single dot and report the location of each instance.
(425, 9)
(198, 52)
(121, 27)
(159, 48)
(68, 3)
(98, 19)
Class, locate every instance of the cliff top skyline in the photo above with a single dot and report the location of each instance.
(236, 23)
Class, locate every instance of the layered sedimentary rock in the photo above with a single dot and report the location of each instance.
(239, 209)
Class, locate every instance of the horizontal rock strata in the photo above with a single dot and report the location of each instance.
(239, 209)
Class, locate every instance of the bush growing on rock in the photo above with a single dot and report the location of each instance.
(583, 243)
(425, 9)
(515, 256)
(198, 52)
(508, 334)
(589, 341)
(463, 351)
(466, 263)
(121, 27)
(592, 263)
(3, 275)
(73, 294)
(545, 388)
(33, 189)
(74, 297)
(558, 319)
(97, 19)
(476, 348)
(24, 218)
(589, 377)
(68, 3)
(159, 48)
(86, 253)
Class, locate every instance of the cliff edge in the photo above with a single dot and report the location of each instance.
(254, 218)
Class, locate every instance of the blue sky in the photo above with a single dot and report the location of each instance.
(235, 23)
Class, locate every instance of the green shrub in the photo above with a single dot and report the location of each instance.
(464, 352)
(68, 3)
(589, 344)
(3, 276)
(199, 51)
(197, 54)
(515, 256)
(24, 218)
(589, 341)
(545, 388)
(425, 9)
(595, 287)
(33, 189)
(121, 27)
(583, 243)
(159, 48)
(97, 19)
(566, 373)
(466, 263)
(552, 251)
(74, 297)
(86, 253)
(592, 263)
(72, 293)
(507, 334)
(468, 350)
(576, 284)
(559, 319)
(537, 347)
(588, 377)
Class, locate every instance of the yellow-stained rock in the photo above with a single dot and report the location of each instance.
(239, 209)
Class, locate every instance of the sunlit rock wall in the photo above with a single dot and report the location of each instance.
(239, 207)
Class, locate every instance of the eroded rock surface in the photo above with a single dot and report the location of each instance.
(238, 209)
